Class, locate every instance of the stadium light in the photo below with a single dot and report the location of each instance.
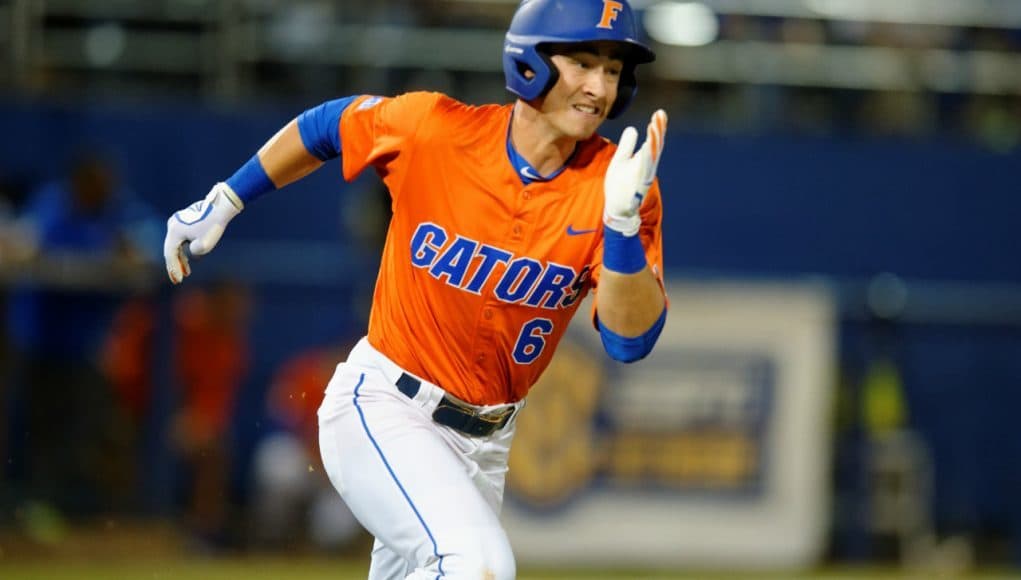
(681, 23)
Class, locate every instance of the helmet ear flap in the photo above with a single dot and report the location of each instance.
(553, 73)
(518, 64)
(544, 22)
(518, 61)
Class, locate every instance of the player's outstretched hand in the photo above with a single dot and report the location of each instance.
(630, 175)
(199, 225)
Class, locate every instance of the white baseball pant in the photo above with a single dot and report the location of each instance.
(430, 495)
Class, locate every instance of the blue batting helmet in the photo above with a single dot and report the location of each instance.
(538, 23)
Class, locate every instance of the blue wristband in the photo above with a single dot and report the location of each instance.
(623, 254)
(250, 181)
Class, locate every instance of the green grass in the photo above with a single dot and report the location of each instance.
(185, 570)
(313, 569)
(145, 550)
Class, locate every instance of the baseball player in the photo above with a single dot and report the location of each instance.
(504, 217)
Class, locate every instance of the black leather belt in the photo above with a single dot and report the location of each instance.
(458, 415)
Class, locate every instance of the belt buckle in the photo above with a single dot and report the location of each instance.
(495, 417)
(498, 417)
(472, 418)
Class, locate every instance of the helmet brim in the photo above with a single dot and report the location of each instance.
(632, 51)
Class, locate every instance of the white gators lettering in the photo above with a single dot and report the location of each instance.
(369, 103)
(469, 265)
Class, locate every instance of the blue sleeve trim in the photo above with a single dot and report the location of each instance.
(319, 128)
(251, 181)
(629, 350)
(621, 253)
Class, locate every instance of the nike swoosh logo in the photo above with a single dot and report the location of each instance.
(527, 172)
(573, 232)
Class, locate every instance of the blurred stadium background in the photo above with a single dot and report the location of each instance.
(838, 387)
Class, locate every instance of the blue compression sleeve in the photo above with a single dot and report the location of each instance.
(629, 350)
(320, 128)
(320, 134)
(623, 254)
(250, 181)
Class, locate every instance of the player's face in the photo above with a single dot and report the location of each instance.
(580, 100)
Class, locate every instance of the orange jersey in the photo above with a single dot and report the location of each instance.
(480, 274)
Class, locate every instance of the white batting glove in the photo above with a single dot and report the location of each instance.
(630, 175)
(199, 225)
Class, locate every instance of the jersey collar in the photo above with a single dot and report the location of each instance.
(523, 168)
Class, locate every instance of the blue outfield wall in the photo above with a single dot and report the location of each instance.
(769, 205)
(848, 208)
(740, 206)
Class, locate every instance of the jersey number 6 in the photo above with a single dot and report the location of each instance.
(532, 340)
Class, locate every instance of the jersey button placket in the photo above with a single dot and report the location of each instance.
(517, 234)
(483, 340)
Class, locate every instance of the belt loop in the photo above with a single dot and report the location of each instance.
(446, 409)
(408, 385)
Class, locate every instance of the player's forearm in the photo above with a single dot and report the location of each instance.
(629, 304)
(280, 161)
(284, 157)
(296, 150)
(299, 148)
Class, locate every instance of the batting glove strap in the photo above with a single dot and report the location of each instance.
(626, 226)
(200, 226)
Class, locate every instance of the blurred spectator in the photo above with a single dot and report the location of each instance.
(127, 363)
(294, 502)
(128, 356)
(11, 238)
(83, 243)
(211, 348)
